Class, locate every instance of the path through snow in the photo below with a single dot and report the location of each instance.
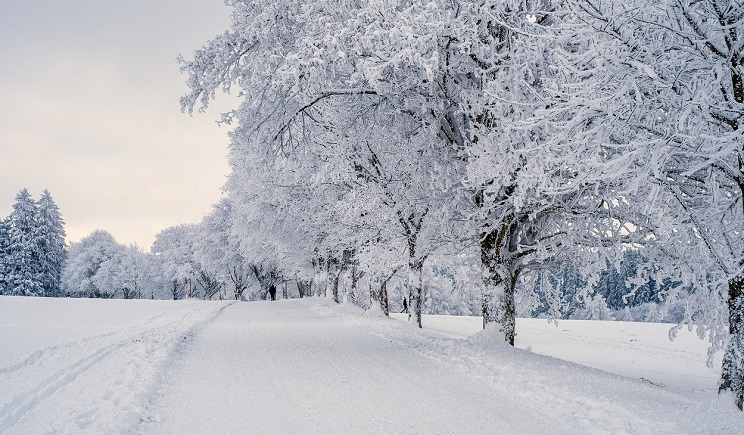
(312, 367)
(308, 366)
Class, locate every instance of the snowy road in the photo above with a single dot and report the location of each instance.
(306, 366)
(282, 368)
(302, 367)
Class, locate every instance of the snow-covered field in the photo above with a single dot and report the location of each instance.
(307, 366)
(631, 349)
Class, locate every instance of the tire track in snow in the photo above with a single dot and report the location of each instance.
(43, 355)
(153, 339)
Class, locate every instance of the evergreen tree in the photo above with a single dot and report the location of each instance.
(4, 242)
(23, 256)
(616, 286)
(52, 248)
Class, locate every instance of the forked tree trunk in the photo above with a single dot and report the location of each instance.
(412, 227)
(498, 304)
(378, 293)
(732, 372)
(304, 287)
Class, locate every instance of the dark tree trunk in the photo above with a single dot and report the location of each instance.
(732, 369)
(347, 261)
(378, 293)
(415, 289)
(732, 373)
(383, 297)
(499, 279)
(336, 278)
(176, 290)
(304, 288)
(412, 227)
(355, 277)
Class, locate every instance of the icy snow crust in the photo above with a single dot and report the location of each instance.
(309, 366)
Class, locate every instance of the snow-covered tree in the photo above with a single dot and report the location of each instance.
(126, 275)
(90, 266)
(100, 267)
(52, 249)
(661, 93)
(655, 93)
(367, 129)
(23, 275)
(452, 284)
(4, 243)
(174, 253)
(217, 249)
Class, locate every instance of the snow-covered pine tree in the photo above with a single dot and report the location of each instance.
(4, 242)
(52, 248)
(23, 277)
(613, 283)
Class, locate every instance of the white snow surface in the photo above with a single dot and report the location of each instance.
(310, 366)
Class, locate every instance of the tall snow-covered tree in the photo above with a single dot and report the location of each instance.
(52, 248)
(4, 243)
(657, 91)
(217, 249)
(381, 106)
(174, 253)
(313, 89)
(23, 276)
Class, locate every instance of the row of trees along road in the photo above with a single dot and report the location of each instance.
(546, 134)
(32, 247)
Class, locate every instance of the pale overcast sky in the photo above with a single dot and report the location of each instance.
(89, 109)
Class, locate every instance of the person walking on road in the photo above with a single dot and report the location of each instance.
(272, 292)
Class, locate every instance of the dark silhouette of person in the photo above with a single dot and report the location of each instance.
(405, 306)
(272, 292)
